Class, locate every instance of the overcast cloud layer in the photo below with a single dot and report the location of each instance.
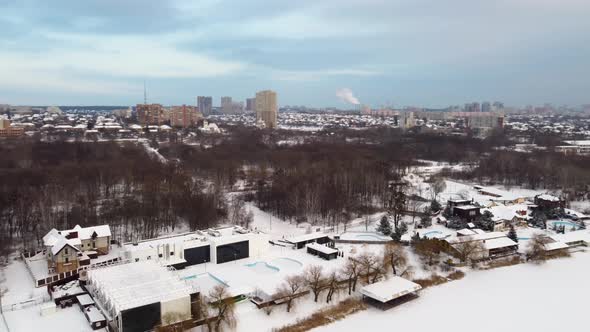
(411, 52)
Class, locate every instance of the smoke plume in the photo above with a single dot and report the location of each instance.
(346, 95)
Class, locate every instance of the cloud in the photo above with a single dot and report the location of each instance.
(346, 95)
(315, 75)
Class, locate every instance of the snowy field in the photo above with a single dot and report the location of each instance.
(549, 297)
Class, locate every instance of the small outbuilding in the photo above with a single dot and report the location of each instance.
(392, 291)
(322, 251)
(300, 241)
(95, 318)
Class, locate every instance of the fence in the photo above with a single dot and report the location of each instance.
(52, 279)
(25, 304)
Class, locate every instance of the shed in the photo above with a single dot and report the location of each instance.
(322, 251)
(95, 318)
(300, 241)
(84, 301)
(389, 290)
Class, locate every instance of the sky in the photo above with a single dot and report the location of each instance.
(431, 53)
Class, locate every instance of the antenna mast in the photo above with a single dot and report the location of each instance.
(144, 93)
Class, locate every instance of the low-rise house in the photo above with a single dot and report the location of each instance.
(492, 244)
(549, 202)
(66, 250)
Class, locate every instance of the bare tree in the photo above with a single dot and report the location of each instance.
(332, 283)
(224, 306)
(428, 250)
(438, 186)
(395, 256)
(314, 280)
(369, 264)
(351, 271)
(537, 248)
(468, 250)
(290, 289)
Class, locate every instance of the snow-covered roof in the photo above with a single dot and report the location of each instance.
(85, 233)
(501, 242)
(94, 315)
(306, 237)
(465, 232)
(391, 289)
(62, 243)
(52, 237)
(132, 285)
(85, 299)
(478, 237)
(508, 212)
(547, 197)
(322, 248)
(466, 207)
(571, 237)
(555, 246)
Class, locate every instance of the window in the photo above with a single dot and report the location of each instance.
(67, 260)
(66, 251)
(471, 213)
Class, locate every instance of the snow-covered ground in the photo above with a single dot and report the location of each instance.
(30, 319)
(548, 297)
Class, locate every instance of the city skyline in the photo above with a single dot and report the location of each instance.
(423, 53)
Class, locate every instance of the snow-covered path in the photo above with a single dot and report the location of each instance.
(549, 297)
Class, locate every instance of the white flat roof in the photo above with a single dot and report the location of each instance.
(131, 285)
(391, 289)
(501, 242)
(466, 207)
(94, 315)
(85, 299)
(322, 248)
(477, 237)
(306, 237)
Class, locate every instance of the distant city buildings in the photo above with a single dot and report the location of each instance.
(266, 108)
(184, 116)
(251, 104)
(205, 105)
(8, 131)
(472, 107)
(226, 105)
(151, 114)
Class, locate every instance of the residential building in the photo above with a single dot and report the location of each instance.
(251, 104)
(493, 244)
(184, 116)
(226, 105)
(150, 114)
(486, 107)
(205, 105)
(8, 131)
(266, 108)
(67, 249)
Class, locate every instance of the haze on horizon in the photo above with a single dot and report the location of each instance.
(414, 52)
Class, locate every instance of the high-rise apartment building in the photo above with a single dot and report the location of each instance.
(184, 116)
(266, 108)
(226, 105)
(150, 114)
(251, 104)
(205, 104)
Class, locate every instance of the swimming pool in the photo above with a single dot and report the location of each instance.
(564, 223)
(206, 279)
(432, 234)
(371, 237)
(263, 268)
(286, 263)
